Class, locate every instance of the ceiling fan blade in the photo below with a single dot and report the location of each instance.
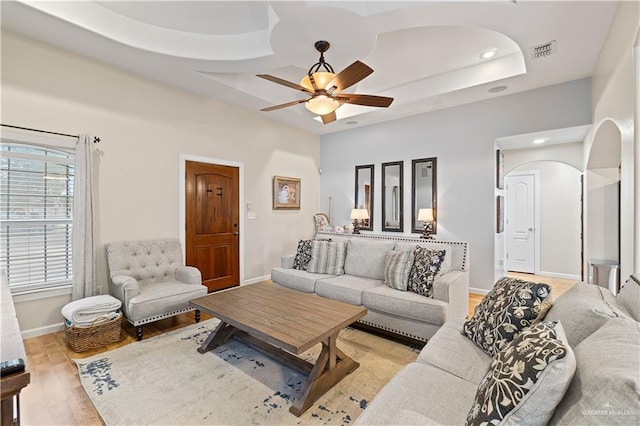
(348, 77)
(285, 83)
(366, 100)
(288, 104)
(328, 118)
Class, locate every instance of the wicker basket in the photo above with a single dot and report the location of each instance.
(102, 332)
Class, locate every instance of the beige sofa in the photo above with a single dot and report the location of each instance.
(603, 332)
(399, 312)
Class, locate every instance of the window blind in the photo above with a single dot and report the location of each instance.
(36, 216)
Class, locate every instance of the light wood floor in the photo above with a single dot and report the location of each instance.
(56, 397)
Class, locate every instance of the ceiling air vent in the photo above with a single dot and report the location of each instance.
(543, 50)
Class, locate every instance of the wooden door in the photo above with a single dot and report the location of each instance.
(521, 230)
(212, 215)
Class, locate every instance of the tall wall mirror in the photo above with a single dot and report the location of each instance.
(392, 197)
(423, 191)
(364, 193)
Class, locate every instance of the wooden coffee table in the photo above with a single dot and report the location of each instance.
(283, 323)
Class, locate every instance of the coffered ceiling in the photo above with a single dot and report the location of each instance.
(426, 55)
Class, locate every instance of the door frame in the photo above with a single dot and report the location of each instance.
(536, 220)
(182, 209)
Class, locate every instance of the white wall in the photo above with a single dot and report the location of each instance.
(462, 138)
(559, 217)
(614, 86)
(145, 127)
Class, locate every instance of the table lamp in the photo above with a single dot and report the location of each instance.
(426, 215)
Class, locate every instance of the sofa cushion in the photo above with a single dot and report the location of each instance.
(452, 352)
(367, 258)
(303, 255)
(629, 297)
(446, 260)
(606, 385)
(422, 390)
(582, 310)
(426, 264)
(507, 309)
(397, 268)
(296, 279)
(345, 288)
(526, 379)
(405, 304)
(327, 257)
(162, 298)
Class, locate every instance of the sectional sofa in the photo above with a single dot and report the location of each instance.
(603, 333)
(402, 313)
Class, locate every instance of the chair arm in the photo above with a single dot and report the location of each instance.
(286, 262)
(188, 275)
(124, 288)
(453, 287)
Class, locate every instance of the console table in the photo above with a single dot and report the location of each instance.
(12, 347)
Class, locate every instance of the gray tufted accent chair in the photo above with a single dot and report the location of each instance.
(150, 279)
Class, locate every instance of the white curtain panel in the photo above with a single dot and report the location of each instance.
(84, 264)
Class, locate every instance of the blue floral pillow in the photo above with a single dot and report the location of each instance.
(426, 264)
(510, 307)
(303, 255)
(526, 380)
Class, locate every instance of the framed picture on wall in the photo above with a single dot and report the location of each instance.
(499, 169)
(286, 193)
(499, 214)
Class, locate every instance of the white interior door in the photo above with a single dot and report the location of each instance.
(521, 244)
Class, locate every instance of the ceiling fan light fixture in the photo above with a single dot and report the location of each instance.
(322, 104)
(321, 78)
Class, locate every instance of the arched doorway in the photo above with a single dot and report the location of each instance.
(603, 189)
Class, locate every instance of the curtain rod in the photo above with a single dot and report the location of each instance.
(95, 138)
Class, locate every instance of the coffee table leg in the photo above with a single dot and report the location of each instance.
(331, 366)
(219, 336)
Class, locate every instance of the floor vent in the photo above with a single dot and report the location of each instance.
(543, 50)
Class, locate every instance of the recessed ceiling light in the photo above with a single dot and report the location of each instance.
(497, 89)
(488, 54)
(351, 123)
(539, 141)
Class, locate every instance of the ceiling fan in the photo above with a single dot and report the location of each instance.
(325, 87)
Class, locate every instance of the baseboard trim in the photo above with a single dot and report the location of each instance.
(559, 275)
(257, 279)
(41, 331)
(481, 291)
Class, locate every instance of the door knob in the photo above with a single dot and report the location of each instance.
(236, 233)
(530, 229)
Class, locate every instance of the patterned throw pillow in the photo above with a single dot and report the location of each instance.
(511, 306)
(526, 380)
(426, 264)
(303, 255)
(397, 268)
(327, 257)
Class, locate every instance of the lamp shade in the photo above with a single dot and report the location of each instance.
(359, 214)
(322, 105)
(321, 78)
(425, 215)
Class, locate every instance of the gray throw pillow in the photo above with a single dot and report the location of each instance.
(397, 268)
(303, 255)
(426, 264)
(510, 307)
(327, 257)
(629, 296)
(526, 380)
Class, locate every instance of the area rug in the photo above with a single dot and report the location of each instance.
(163, 380)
